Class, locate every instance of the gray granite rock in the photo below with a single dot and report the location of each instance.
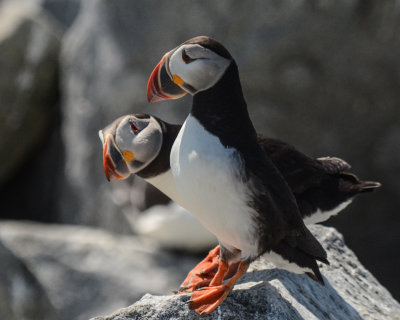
(264, 292)
(21, 294)
(80, 272)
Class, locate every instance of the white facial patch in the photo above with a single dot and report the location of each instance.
(203, 71)
(101, 136)
(145, 144)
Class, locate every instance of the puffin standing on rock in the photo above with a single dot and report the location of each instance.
(224, 178)
(141, 144)
(222, 172)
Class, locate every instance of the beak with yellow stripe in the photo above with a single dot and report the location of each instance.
(162, 85)
(194, 66)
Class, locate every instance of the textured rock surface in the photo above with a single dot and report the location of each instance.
(80, 272)
(21, 295)
(351, 292)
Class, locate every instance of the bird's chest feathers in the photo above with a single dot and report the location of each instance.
(200, 163)
(208, 178)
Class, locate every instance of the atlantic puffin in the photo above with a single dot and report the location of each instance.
(141, 144)
(225, 179)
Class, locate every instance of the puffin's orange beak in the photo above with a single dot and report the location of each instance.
(114, 165)
(160, 86)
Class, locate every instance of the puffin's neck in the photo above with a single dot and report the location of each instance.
(161, 163)
(222, 110)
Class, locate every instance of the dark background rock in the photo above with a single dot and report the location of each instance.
(29, 46)
(30, 139)
(322, 75)
(62, 11)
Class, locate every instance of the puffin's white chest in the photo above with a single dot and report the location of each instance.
(207, 178)
(166, 184)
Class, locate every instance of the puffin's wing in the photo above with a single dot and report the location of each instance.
(303, 251)
(272, 198)
(279, 217)
(300, 171)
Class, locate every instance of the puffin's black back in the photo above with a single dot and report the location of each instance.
(316, 183)
(222, 111)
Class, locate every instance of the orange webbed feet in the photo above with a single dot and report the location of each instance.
(207, 299)
(201, 275)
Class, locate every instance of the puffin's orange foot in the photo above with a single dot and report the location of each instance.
(201, 275)
(206, 300)
(195, 283)
(203, 279)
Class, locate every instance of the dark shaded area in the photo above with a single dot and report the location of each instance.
(32, 194)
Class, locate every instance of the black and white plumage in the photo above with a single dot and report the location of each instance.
(222, 175)
(322, 187)
(150, 161)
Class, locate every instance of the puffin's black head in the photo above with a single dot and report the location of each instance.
(130, 144)
(195, 65)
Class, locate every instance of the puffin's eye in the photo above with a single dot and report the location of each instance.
(133, 127)
(185, 57)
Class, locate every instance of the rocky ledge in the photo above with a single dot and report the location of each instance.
(350, 292)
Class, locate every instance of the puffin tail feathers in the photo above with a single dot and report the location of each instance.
(316, 276)
(298, 261)
(309, 245)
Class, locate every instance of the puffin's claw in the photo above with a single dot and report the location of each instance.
(202, 274)
(207, 299)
